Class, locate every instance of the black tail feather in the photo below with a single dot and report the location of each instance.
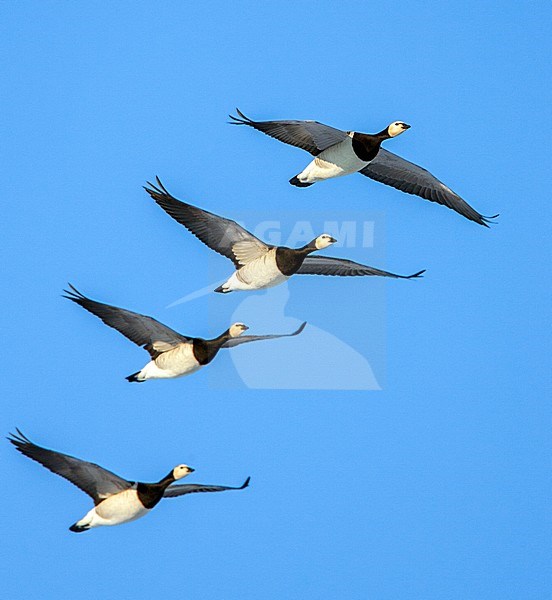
(221, 290)
(134, 377)
(78, 529)
(294, 181)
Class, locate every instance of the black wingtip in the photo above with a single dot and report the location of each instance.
(242, 116)
(245, 484)
(163, 188)
(241, 119)
(416, 275)
(73, 294)
(77, 529)
(300, 329)
(489, 220)
(17, 438)
(157, 189)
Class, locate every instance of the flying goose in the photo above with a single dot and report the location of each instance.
(343, 152)
(258, 265)
(172, 354)
(116, 500)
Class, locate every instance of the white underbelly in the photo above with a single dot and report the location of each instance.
(115, 510)
(259, 274)
(174, 363)
(336, 161)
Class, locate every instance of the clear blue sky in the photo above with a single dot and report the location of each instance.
(433, 487)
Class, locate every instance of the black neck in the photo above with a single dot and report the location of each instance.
(220, 340)
(383, 135)
(206, 350)
(309, 248)
(167, 480)
(150, 494)
(289, 260)
(366, 146)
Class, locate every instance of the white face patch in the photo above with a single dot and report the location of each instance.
(237, 329)
(181, 471)
(397, 128)
(323, 241)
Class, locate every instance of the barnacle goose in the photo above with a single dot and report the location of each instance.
(172, 354)
(340, 153)
(258, 265)
(116, 500)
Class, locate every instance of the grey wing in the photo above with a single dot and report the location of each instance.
(244, 339)
(312, 136)
(191, 488)
(97, 482)
(218, 233)
(140, 329)
(403, 175)
(326, 265)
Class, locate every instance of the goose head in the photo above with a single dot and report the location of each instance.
(181, 471)
(237, 329)
(397, 128)
(323, 241)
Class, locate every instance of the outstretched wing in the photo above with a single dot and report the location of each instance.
(326, 265)
(312, 136)
(191, 488)
(140, 329)
(92, 479)
(403, 175)
(221, 235)
(244, 339)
